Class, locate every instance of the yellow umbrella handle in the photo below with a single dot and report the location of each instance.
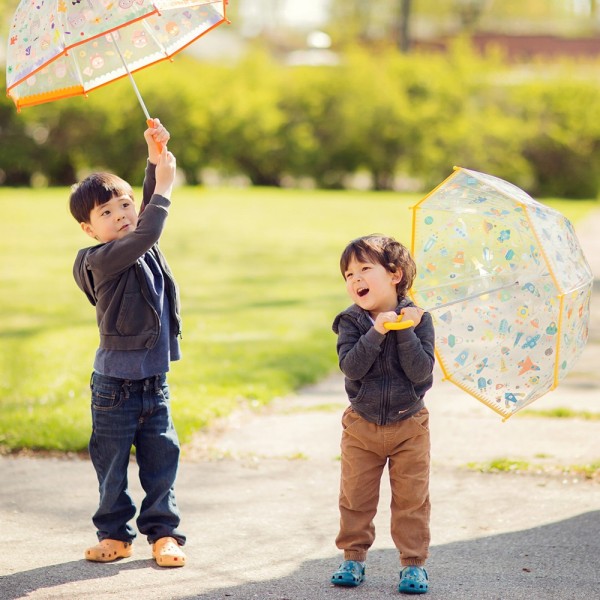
(399, 324)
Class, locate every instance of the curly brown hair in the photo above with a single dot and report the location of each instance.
(386, 251)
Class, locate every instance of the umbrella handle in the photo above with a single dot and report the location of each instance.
(399, 324)
(150, 123)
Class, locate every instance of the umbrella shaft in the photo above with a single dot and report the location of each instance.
(472, 296)
(135, 88)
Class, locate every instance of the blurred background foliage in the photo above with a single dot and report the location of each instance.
(396, 95)
(336, 94)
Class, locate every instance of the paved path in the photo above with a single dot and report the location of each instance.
(259, 503)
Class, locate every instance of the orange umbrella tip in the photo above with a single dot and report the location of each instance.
(15, 100)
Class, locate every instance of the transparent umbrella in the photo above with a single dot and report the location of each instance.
(63, 48)
(508, 287)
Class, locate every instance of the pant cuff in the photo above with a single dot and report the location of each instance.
(412, 562)
(357, 555)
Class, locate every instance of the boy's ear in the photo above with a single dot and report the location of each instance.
(87, 228)
(397, 276)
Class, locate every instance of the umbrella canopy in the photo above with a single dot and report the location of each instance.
(63, 48)
(507, 285)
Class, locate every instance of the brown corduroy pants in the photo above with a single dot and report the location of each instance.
(366, 448)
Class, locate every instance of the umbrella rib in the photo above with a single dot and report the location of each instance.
(498, 188)
(77, 70)
(161, 47)
(472, 296)
(558, 342)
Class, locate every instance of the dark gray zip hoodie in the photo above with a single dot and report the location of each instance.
(114, 282)
(386, 376)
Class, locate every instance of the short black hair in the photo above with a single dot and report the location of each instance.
(386, 251)
(95, 190)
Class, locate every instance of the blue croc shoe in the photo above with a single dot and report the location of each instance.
(413, 580)
(350, 573)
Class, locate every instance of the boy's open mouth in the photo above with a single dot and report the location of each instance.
(362, 292)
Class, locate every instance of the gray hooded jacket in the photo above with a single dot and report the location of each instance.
(114, 281)
(386, 375)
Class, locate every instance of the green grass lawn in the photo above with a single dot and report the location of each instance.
(260, 284)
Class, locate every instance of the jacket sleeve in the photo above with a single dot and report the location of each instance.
(356, 352)
(148, 185)
(416, 349)
(114, 257)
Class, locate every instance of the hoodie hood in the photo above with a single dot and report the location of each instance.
(83, 275)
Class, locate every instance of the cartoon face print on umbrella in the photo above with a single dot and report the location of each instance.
(62, 48)
(508, 287)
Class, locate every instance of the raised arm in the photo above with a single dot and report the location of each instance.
(156, 138)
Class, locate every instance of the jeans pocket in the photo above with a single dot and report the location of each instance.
(102, 400)
(106, 396)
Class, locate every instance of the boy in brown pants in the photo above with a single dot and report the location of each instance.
(386, 352)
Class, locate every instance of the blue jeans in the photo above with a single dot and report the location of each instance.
(128, 413)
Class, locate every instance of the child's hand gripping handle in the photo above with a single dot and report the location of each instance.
(159, 146)
(399, 324)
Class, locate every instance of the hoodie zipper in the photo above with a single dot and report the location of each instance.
(146, 295)
(385, 395)
(172, 293)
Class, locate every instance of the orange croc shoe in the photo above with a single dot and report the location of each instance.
(108, 550)
(167, 553)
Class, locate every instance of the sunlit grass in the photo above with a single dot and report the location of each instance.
(501, 465)
(561, 413)
(260, 285)
(325, 407)
(521, 467)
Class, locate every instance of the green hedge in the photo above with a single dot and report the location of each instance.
(379, 113)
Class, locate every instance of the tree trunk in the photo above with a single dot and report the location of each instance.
(404, 29)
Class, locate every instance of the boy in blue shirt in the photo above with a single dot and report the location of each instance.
(127, 279)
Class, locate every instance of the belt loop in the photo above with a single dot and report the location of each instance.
(126, 386)
(156, 384)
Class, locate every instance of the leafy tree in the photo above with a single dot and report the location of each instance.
(18, 150)
(355, 21)
(320, 129)
(247, 121)
(563, 145)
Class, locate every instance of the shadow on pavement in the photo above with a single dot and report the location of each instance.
(19, 585)
(558, 561)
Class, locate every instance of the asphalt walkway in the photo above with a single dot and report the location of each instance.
(258, 496)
